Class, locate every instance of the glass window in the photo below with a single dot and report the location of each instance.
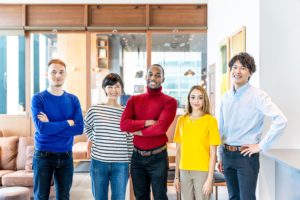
(71, 49)
(12, 74)
(43, 48)
(183, 57)
(124, 54)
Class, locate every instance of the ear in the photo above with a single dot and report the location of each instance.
(163, 79)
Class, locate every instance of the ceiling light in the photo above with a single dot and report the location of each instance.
(189, 73)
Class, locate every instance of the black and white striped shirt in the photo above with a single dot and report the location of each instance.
(102, 126)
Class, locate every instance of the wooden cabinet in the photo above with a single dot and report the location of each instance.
(103, 52)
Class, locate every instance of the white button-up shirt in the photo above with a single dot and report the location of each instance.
(242, 116)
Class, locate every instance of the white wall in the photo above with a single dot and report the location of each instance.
(225, 17)
(280, 63)
(273, 38)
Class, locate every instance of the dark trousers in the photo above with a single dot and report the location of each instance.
(47, 165)
(241, 174)
(149, 171)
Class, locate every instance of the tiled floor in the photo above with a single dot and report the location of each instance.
(81, 189)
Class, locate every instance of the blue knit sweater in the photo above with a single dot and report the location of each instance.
(56, 135)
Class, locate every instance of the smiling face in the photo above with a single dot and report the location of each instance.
(196, 100)
(155, 77)
(56, 75)
(240, 74)
(113, 91)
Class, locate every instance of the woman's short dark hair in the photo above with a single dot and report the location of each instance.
(245, 59)
(112, 79)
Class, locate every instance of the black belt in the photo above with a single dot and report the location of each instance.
(46, 153)
(150, 152)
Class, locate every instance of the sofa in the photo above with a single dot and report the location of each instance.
(80, 148)
(16, 162)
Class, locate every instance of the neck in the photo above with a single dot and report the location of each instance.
(57, 91)
(237, 86)
(113, 103)
(154, 91)
(196, 113)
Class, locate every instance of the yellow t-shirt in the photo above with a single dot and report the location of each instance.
(195, 138)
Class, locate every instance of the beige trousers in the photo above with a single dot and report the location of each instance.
(191, 184)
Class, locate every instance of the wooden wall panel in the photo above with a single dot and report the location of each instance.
(15, 125)
(117, 15)
(178, 15)
(55, 15)
(10, 15)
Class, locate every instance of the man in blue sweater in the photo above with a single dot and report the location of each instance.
(57, 118)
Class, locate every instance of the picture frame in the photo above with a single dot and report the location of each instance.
(238, 41)
(224, 68)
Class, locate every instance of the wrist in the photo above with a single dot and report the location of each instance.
(209, 180)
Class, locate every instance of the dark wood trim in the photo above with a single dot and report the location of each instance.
(23, 23)
(11, 15)
(118, 28)
(147, 15)
(55, 15)
(84, 16)
(54, 28)
(178, 28)
(118, 15)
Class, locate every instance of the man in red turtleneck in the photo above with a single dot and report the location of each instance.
(148, 117)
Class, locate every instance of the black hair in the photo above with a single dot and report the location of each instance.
(162, 69)
(112, 79)
(245, 59)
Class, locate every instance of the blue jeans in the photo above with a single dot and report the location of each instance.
(104, 172)
(47, 165)
(241, 174)
(149, 170)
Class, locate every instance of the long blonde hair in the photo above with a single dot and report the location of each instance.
(206, 103)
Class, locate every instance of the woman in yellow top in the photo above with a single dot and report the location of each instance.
(197, 137)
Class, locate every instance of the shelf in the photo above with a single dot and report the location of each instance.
(102, 46)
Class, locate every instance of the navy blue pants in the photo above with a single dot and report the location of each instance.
(241, 174)
(47, 165)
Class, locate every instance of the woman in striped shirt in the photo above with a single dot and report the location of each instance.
(111, 149)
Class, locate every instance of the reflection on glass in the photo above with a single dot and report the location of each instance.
(43, 48)
(12, 74)
(71, 49)
(178, 54)
(126, 56)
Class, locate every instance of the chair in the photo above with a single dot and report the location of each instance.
(219, 181)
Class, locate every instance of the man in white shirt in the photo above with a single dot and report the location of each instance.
(242, 114)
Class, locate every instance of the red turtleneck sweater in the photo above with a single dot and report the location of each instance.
(152, 105)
